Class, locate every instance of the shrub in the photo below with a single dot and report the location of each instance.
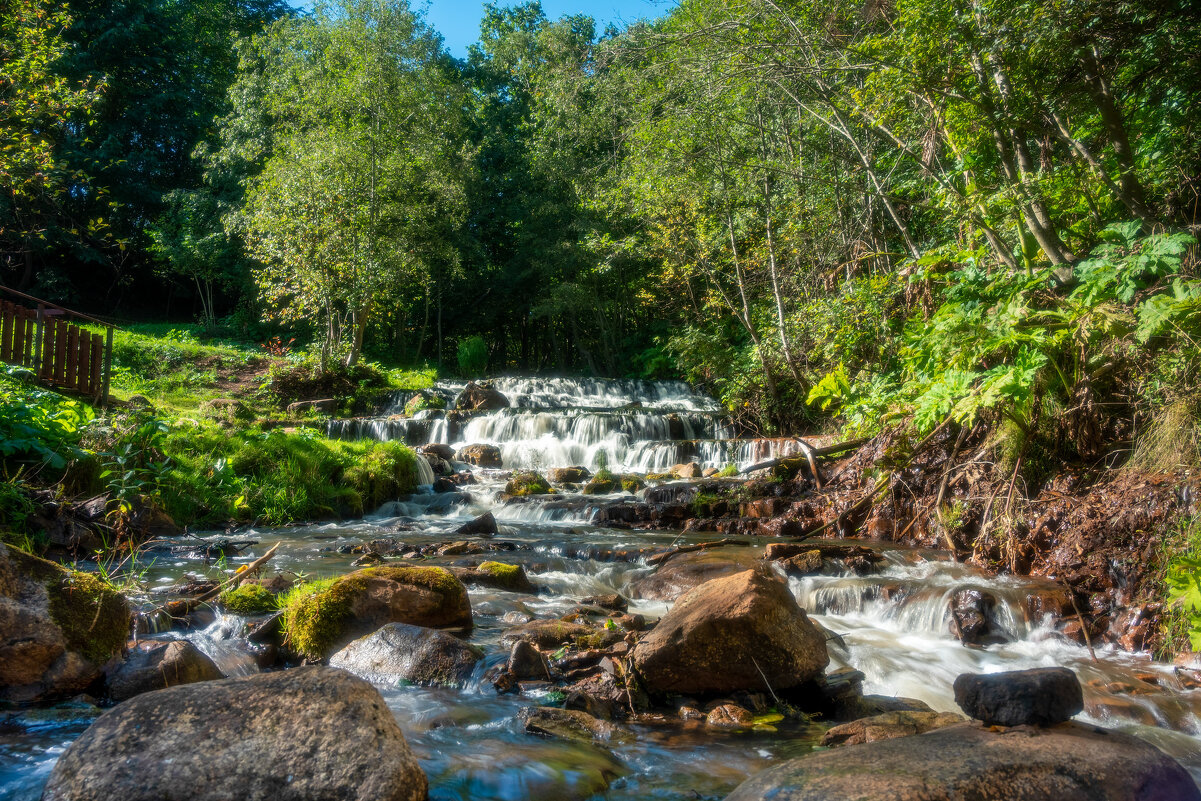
(473, 356)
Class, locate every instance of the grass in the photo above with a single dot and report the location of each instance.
(1181, 558)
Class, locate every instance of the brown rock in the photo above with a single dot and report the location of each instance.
(686, 571)
(156, 666)
(548, 633)
(734, 633)
(887, 726)
(400, 652)
(729, 716)
(690, 470)
(568, 724)
(479, 397)
(568, 475)
(480, 455)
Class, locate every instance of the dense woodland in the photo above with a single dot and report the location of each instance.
(913, 207)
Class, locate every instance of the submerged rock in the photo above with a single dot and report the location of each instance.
(400, 652)
(1067, 763)
(321, 622)
(58, 628)
(158, 666)
(568, 724)
(482, 526)
(309, 733)
(741, 632)
(888, 726)
(1040, 697)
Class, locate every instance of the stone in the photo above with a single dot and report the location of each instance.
(809, 563)
(527, 662)
(324, 406)
(548, 633)
(1070, 762)
(480, 455)
(887, 726)
(969, 615)
(729, 716)
(740, 632)
(527, 482)
(482, 526)
(568, 475)
(156, 666)
(497, 575)
(1042, 696)
(399, 652)
(614, 602)
(322, 622)
(309, 733)
(687, 571)
(568, 724)
(58, 628)
(690, 470)
(438, 449)
(479, 397)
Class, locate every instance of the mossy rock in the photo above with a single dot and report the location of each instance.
(527, 483)
(602, 483)
(422, 401)
(497, 575)
(249, 599)
(61, 626)
(321, 617)
(632, 483)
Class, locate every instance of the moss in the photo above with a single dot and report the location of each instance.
(527, 483)
(93, 616)
(422, 401)
(601, 483)
(249, 599)
(506, 575)
(631, 483)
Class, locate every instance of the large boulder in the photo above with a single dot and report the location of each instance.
(480, 455)
(477, 397)
(156, 666)
(400, 652)
(482, 526)
(1040, 697)
(741, 632)
(888, 726)
(319, 623)
(1066, 763)
(314, 732)
(687, 571)
(58, 628)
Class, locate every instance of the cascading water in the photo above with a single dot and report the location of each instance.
(892, 624)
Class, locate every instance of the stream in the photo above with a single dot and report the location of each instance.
(893, 623)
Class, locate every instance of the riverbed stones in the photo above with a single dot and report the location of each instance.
(480, 455)
(309, 733)
(1070, 762)
(740, 632)
(156, 666)
(479, 397)
(548, 633)
(568, 724)
(358, 603)
(888, 726)
(58, 628)
(399, 652)
(687, 571)
(568, 475)
(527, 662)
(497, 575)
(1040, 697)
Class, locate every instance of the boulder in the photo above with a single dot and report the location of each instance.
(156, 666)
(480, 455)
(438, 449)
(568, 724)
(400, 652)
(741, 632)
(969, 615)
(319, 623)
(1040, 697)
(479, 397)
(482, 526)
(324, 406)
(313, 732)
(690, 470)
(496, 575)
(888, 726)
(686, 571)
(729, 716)
(58, 628)
(1067, 763)
(228, 409)
(527, 662)
(527, 482)
(568, 475)
(548, 633)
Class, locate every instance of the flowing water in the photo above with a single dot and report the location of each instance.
(893, 624)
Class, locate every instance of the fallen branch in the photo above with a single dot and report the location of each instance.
(811, 454)
(660, 558)
(179, 608)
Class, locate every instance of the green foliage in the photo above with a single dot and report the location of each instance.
(473, 357)
(249, 599)
(39, 427)
(1182, 586)
(424, 400)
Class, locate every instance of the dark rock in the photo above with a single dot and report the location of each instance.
(614, 602)
(480, 455)
(741, 632)
(324, 406)
(809, 563)
(527, 662)
(969, 615)
(601, 696)
(482, 526)
(1067, 763)
(568, 724)
(729, 716)
(309, 733)
(477, 397)
(156, 666)
(58, 628)
(887, 726)
(400, 652)
(1042, 696)
(548, 633)
(866, 706)
(438, 449)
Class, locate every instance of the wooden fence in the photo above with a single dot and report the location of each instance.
(60, 353)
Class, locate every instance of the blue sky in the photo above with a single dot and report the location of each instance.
(459, 20)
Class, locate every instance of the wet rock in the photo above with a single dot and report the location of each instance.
(324, 406)
(741, 632)
(765, 507)
(601, 696)
(1067, 763)
(970, 610)
(527, 482)
(58, 628)
(368, 560)
(568, 724)
(479, 397)
(690, 470)
(459, 548)
(482, 526)
(313, 732)
(527, 662)
(887, 726)
(497, 575)
(438, 449)
(686, 571)
(866, 706)
(709, 472)
(400, 652)
(809, 563)
(1042, 696)
(361, 602)
(568, 475)
(480, 455)
(156, 666)
(729, 716)
(548, 634)
(614, 602)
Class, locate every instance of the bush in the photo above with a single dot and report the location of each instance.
(473, 357)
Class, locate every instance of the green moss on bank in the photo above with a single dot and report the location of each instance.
(511, 576)
(94, 617)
